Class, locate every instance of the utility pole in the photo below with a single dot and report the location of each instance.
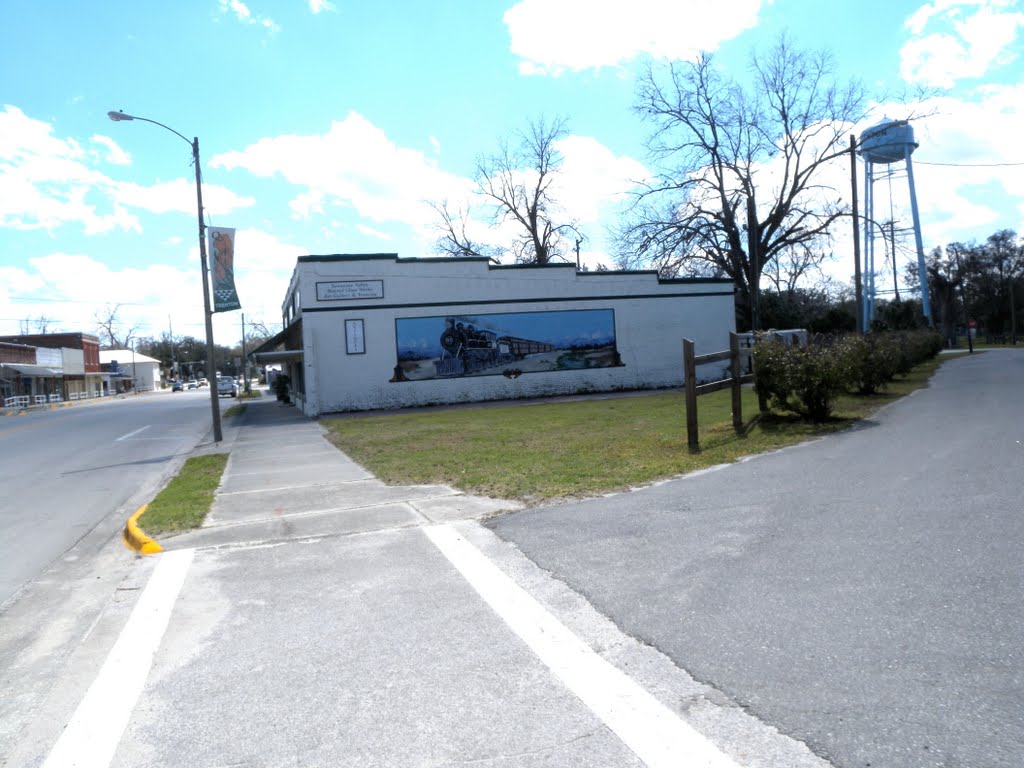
(170, 339)
(892, 249)
(245, 363)
(752, 252)
(856, 236)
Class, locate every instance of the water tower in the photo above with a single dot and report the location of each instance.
(886, 144)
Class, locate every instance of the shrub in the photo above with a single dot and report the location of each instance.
(804, 380)
(819, 374)
(771, 378)
(873, 360)
(923, 345)
(808, 381)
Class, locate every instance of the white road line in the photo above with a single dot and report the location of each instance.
(92, 735)
(655, 733)
(131, 434)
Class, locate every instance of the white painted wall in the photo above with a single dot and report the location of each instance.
(73, 361)
(144, 370)
(651, 319)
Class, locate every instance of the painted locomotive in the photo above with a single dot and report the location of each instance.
(468, 350)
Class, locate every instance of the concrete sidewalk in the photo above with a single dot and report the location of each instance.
(284, 480)
(321, 618)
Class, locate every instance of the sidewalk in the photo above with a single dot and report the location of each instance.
(322, 618)
(284, 480)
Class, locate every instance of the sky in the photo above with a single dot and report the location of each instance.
(329, 126)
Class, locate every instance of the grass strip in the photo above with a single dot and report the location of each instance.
(184, 502)
(541, 452)
(235, 410)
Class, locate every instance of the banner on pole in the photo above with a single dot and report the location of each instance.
(222, 267)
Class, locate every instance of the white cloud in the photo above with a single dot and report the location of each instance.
(44, 180)
(370, 232)
(178, 195)
(972, 136)
(593, 178)
(306, 204)
(114, 155)
(318, 6)
(75, 287)
(353, 164)
(47, 182)
(551, 36)
(956, 39)
(241, 12)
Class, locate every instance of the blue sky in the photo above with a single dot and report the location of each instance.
(325, 126)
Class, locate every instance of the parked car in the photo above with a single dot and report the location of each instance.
(193, 384)
(226, 386)
(176, 386)
(204, 383)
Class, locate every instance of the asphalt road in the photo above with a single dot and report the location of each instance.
(863, 593)
(65, 470)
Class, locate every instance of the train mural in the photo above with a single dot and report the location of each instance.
(508, 344)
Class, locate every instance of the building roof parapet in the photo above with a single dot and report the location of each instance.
(393, 257)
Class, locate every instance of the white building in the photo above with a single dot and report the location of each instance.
(141, 371)
(374, 331)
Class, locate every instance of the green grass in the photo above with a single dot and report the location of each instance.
(253, 393)
(183, 504)
(235, 410)
(547, 451)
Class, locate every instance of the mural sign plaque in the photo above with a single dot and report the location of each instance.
(507, 344)
(355, 342)
(346, 290)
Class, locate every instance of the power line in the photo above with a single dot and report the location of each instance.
(971, 165)
(75, 301)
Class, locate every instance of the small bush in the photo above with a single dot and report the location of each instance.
(873, 360)
(771, 381)
(922, 345)
(819, 375)
(808, 381)
(804, 380)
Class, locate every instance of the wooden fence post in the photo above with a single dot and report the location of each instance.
(690, 383)
(734, 371)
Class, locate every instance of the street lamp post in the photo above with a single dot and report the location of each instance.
(211, 364)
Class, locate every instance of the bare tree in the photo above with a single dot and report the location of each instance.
(40, 324)
(740, 168)
(793, 266)
(108, 327)
(454, 239)
(515, 184)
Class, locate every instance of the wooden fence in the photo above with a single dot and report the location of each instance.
(735, 380)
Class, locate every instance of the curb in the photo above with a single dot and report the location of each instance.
(134, 538)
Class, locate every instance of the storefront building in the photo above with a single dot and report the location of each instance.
(372, 331)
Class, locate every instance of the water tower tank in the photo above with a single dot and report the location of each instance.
(887, 142)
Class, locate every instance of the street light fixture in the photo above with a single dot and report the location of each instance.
(210, 362)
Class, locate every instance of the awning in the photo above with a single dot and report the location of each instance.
(281, 356)
(270, 350)
(290, 336)
(32, 370)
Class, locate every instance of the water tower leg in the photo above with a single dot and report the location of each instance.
(869, 247)
(922, 271)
